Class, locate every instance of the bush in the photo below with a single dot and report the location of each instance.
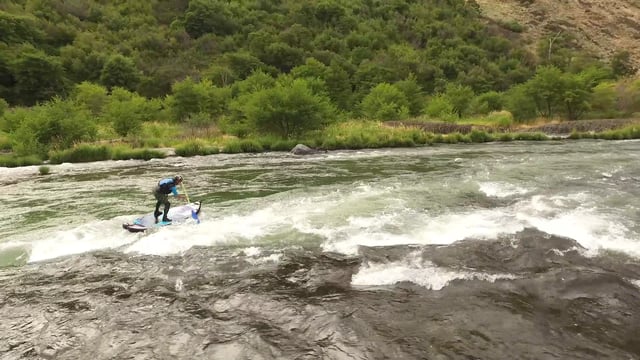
(385, 102)
(81, 153)
(503, 119)
(15, 161)
(56, 125)
(480, 136)
(232, 147)
(282, 145)
(512, 26)
(250, 146)
(44, 170)
(196, 147)
(5, 142)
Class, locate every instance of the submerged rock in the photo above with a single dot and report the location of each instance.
(211, 303)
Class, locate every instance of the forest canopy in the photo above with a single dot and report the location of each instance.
(284, 67)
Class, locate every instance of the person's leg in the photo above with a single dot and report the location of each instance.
(167, 205)
(160, 199)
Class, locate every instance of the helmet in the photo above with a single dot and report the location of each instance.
(177, 179)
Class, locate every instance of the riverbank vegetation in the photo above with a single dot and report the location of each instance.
(92, 80)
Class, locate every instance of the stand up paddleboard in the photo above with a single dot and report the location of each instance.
(178, 214)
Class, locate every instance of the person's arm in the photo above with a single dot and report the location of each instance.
(174, 190)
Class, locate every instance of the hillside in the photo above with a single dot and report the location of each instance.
(601, 27)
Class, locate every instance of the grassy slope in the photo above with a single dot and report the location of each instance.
(600, 26)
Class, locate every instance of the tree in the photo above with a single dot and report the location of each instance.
(439, 107)
(7, 79)
(312, 68)
(460, 97)
(546, 89)
(126, 111)
(339, 85)
(56, 125)
(520, 103)
(622, 65)
(189, 98)
(208, 16)
(413, 92)
(123, 116)
(282, 56)
(242, 63)
(93, 96)
(18, 29)
(258, 81)
(120, 71)
(81, 65)
(3, 106)
(604, 99)
(220, 75)
(487, 102)
(385, 102)
(288, 109)
(38, 77)
(576, 95)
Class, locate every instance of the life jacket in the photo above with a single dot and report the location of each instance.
(165, 185)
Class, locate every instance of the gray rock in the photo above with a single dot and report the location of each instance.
(302, 149)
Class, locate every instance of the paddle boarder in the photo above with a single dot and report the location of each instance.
(161, 193)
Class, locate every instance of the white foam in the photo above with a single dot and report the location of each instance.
(252, 251)
(414, 269)
(413, 228)
(501, 189)
(94, 235)
(592, 229)
(343, 219)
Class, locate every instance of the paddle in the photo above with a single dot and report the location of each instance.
(184, 190)
(194, 214)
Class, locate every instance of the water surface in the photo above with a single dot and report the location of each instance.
(501, 251)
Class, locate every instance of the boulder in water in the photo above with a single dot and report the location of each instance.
(302, 149)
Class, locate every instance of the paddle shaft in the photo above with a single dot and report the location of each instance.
(184, 190)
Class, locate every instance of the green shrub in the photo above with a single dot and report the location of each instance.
(5, 142)
(630, 132)
(503, 119)
(232, 147)
(195, 147)
(333, 143)
(512, 26)
(250, 146)
(480, 136)
(16, 161)
(44, 170)
(283, 145)
(81, 153)
(455, 138)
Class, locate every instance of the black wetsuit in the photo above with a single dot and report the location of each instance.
(161, 193)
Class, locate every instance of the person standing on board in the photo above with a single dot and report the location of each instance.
(161, 193)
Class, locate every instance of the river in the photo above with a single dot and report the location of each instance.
(522, 250)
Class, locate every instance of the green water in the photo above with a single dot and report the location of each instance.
(587, 190)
